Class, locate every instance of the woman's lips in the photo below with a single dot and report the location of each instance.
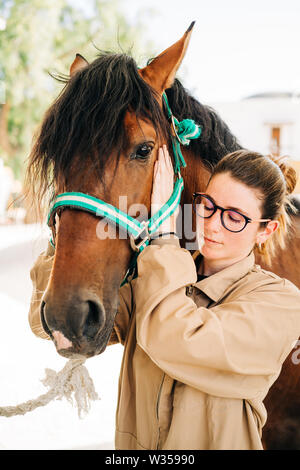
(211, 241)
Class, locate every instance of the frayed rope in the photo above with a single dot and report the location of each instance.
(73, 382)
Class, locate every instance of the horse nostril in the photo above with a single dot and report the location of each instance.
(43, 319)
(95, 319)
(74, 317)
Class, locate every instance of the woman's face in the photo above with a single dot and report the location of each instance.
(217, 242)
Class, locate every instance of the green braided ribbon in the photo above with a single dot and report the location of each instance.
(187, 130)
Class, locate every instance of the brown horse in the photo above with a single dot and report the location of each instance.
(101, 137)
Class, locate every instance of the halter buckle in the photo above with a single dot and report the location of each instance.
(143, 234)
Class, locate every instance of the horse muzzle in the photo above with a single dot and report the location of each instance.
(74, 323)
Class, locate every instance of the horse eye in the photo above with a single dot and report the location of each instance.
(143, 151)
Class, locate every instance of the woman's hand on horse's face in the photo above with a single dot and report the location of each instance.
(163, 184)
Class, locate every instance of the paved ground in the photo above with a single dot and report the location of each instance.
(23, 358)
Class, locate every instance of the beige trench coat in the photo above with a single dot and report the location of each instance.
(199, 357)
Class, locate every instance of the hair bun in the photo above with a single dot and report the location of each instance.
(289, 173)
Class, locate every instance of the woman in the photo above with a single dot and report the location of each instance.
(205, 336)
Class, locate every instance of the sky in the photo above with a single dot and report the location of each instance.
(238, 47)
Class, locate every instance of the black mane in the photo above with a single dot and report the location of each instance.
(87, 117)
(86, 120)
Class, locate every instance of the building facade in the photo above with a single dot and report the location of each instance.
(266, 123)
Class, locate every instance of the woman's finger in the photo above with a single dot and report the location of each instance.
(169, 166)
(159, 165)
(170, 162)
(168, 159)
(162, 156)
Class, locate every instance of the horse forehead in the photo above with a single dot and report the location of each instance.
(138, 127)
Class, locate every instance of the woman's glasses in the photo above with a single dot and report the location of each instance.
(231, 219)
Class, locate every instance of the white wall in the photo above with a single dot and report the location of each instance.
(251, 121)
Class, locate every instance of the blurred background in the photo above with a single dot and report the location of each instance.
(242, 60)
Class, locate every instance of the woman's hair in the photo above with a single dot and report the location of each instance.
(274, 179)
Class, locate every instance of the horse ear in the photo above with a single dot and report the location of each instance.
(160, 73)
(78, 63)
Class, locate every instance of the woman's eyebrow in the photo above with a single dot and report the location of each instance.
(231, 207)
(239, 210)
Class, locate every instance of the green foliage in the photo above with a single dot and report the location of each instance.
(43, 36)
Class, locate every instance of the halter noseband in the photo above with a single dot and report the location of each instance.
(140, 232)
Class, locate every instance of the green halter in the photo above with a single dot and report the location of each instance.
(140, 232)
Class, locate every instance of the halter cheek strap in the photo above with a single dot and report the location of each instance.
(140, 232)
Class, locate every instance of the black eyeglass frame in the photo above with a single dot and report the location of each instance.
(248, 220)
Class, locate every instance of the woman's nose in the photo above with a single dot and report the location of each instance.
(214, 222)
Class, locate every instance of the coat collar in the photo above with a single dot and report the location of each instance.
(215, 285)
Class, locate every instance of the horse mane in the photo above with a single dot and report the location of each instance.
(86, 120)
(216, 139)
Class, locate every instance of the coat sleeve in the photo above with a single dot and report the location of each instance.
(235, 349)
(40, 274)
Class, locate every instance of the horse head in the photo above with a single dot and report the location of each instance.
(100, 137)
